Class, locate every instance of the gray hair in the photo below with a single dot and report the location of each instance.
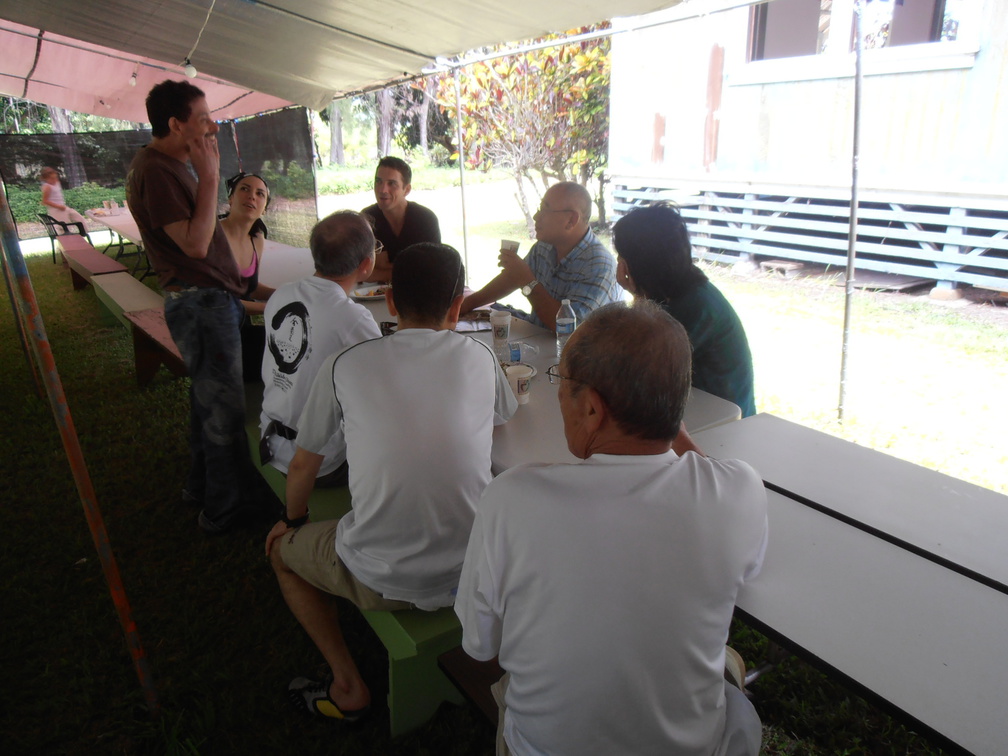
(638, 358)
(340, 242)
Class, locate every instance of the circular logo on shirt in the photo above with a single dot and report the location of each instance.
(289, 336)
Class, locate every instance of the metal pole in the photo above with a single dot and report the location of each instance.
(852, 230)
(27, 307)
(461, 165)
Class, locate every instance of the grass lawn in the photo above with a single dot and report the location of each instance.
(926, 383)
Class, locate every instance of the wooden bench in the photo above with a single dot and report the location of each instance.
(887, 575)
(85, 261)
(413, 638)
(153, 345)
(122, 293)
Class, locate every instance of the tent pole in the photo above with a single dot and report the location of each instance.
(26, 308)
(852, 230)
(461, 165)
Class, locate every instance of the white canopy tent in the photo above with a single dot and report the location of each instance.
(254, 56)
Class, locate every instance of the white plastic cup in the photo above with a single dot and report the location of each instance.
(500, 324)
(509, 244)
(520, 379)
(106, 204)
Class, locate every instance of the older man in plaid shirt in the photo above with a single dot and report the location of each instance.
(567, 262)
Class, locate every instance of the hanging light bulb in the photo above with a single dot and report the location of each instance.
(190, 69)
(133, 78)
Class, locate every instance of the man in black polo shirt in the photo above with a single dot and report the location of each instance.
(397, 222)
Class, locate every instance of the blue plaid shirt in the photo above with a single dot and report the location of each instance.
(586, 276)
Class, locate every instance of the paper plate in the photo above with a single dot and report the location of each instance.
(370, 292)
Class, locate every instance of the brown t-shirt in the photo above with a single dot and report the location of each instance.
(162, 190)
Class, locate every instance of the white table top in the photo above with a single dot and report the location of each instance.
(282, 263)
(924, 638)
(950, 518)
(121, 222)
(535, 433)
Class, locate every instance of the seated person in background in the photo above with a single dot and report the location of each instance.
(397, 223)
(567, 262)
(655, 262)
(307, 321)
(52, 198)
(248, 198)
(607, 587)
(415, 412)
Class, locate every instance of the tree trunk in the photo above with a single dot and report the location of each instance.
(336, 155)
(523, 203)
(73, 166)
(385, 107)
(603, 179)
(423, 116)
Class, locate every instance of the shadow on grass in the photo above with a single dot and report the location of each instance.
(221, 643)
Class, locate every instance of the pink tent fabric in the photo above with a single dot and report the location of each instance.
(88, 78)
(302, 51)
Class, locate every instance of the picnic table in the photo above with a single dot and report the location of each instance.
(889, 576)
(121, 224)
(535, 433)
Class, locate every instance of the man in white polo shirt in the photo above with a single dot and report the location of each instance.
(307, 321)
(607, 587)
(415, 411)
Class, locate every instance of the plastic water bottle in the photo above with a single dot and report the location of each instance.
(566, 322)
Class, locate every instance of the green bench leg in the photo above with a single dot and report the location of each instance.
(414, 640)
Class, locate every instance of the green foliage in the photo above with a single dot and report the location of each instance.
(92, 195)
(542, 114)
(336, 180)
(441, 156)
(26, 203)
(19, 116)
(290, 181)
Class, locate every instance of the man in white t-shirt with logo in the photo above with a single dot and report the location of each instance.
(306, 322)
(415, 412)
(607, 587)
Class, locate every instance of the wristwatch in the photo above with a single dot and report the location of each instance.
(527, 288)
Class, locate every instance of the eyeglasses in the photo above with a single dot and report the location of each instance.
(378, 247)
(553, 373)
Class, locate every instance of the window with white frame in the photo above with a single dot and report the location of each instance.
(791, 28)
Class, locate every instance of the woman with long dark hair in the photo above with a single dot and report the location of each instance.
(248, 197)
(655, 261)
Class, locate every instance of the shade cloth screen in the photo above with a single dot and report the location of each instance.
(279, 148)
(276, 146)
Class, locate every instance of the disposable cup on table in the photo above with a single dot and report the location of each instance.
(500, 324)
(520, 379)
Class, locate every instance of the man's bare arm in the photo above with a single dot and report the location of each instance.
(301, 474)
(194, 234)
(496, 289)
(544, 306)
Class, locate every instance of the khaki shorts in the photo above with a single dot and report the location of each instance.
(310, 552)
